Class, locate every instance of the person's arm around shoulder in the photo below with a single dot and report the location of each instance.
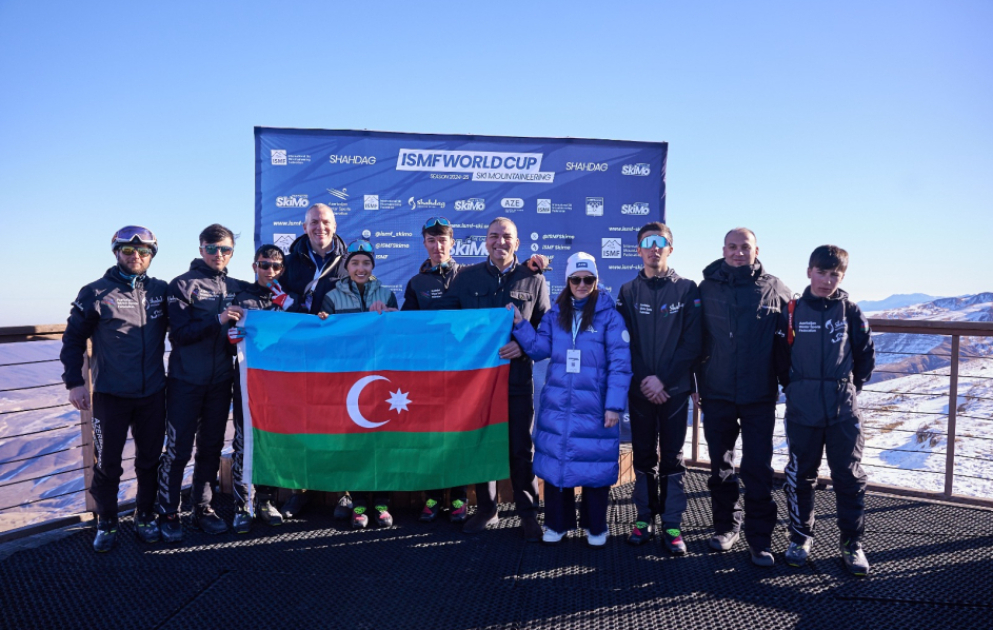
(618, 350)
(83, 320)
(863, 350)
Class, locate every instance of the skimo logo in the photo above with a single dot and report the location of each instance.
(434, 204)
(470, 247)
(470, 205)
(638, 208)
(641, 170)
(544, 206)
(371, 202)
(610, 248)
(594, 206)
(512, 203)
(278, 157)
(292, 201)
(600, 167)
(358, 160)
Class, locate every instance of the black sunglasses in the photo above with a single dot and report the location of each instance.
(578, 280)
(265, 264)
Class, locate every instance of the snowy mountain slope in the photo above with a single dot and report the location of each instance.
(899, 300)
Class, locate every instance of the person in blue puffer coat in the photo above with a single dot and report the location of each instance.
(577, 438)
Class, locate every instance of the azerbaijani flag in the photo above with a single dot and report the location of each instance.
(400, 401)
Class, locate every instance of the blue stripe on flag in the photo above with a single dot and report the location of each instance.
(366, 342)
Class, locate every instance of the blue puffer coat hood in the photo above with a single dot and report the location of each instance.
(571, 445)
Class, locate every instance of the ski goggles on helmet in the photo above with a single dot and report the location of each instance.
(654, 240)
(360, 246)
(433, 221)
(134, 235)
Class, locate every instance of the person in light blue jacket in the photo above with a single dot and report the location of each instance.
(576, 438)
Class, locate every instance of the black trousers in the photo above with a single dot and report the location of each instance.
(519, 424)
(843, 443)
(722, 422)
(560, 509)
(195, 413)
(239, 485)
(657, 436)
(112, 417)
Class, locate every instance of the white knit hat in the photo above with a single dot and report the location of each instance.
(580, 261)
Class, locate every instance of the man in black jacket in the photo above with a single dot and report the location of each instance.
(499, 281)
(124, 313)
(316, 260)
(314, 264)
(831, 355)
(200, 376)
(265, 294)
(424, 292)
(738, 391)
(662, 313)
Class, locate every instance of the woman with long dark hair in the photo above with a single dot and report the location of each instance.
(576, 438)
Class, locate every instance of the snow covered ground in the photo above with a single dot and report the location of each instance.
(905, 418)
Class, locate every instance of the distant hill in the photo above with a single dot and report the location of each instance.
(896, 301)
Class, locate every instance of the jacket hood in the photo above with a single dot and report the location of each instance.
(839, 294)
(720, 271)
(198, 264)
(301, 247)
(346, 284)
(670, 274)
(114, 274)
(427, 267)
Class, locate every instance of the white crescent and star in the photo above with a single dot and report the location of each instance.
(398, 401)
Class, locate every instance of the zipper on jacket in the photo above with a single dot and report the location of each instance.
(141, 307)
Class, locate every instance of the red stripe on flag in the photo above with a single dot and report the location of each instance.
(383, 401)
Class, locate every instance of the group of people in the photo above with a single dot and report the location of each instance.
(727, 344)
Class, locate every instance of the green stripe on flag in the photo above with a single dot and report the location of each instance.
(382, 460)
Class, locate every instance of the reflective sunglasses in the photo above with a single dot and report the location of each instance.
(359, 246)
(655, 240)
(266, 265)
(578, 280)
(213, 249)
(128, 250)
(433, 221)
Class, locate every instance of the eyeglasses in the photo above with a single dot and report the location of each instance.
(359, 246)
(266, 265)
(433, 221)
(213, 249)
(578, 280)
(655, 240)
(129, 250)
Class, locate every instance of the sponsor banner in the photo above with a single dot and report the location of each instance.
(565, 195)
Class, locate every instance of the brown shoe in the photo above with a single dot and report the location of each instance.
(480, 521)
(532, 530)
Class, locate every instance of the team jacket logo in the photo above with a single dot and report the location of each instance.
(836, 329)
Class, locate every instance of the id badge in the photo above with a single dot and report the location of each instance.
(573, 359)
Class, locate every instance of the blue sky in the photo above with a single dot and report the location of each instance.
(867, 125)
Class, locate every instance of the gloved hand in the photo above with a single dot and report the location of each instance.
(235, 335)
(279, 297)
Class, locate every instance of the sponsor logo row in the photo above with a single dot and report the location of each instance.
(484, 164)
(594, 205)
